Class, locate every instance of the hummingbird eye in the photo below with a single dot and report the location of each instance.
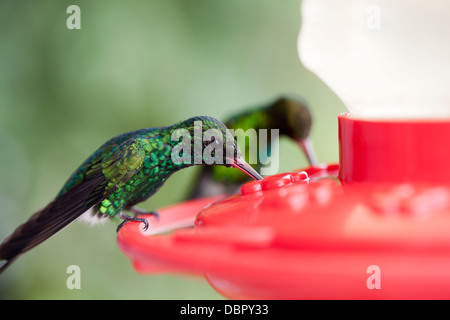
(215, 141)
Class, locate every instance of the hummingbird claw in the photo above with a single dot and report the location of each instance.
(128, 218)
(145, 223)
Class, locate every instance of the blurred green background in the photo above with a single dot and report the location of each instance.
(133, 64)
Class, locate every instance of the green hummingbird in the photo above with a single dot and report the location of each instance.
(288, 113)
(124, 171)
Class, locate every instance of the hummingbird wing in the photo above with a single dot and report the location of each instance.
(101, 179)
(119, 166)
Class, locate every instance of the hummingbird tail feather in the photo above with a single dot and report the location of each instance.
(48, 221)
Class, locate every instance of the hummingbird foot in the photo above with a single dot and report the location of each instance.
(127, 218)
(139, 212)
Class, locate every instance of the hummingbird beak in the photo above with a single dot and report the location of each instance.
(308, 148)
(242, 165)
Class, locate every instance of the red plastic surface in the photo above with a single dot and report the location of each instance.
(394, 150)
(303, 235)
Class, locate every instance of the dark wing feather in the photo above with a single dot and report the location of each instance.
(55, 216)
